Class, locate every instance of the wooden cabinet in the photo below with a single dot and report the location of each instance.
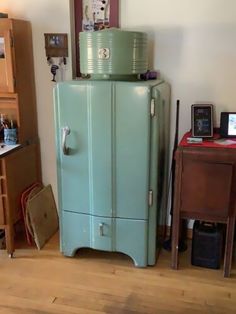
(17, 88)
(205, 189)
(20, 167)
(18, 170)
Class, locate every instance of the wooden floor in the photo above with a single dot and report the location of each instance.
(44, 281)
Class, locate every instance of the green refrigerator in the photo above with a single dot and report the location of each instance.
(112, 160)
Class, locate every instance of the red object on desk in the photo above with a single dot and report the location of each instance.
(210, 143)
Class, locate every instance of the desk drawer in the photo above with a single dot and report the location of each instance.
(206, 187)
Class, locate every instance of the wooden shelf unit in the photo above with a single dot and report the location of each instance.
(18, 170)
(20, 167)
(17, 87)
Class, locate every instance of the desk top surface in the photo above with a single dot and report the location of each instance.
(215, 142)
(4, 149)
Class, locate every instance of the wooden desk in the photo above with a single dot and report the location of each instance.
(205, 189)
(18, 170)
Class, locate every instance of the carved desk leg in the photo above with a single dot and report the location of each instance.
(229, 246)
(9, 234)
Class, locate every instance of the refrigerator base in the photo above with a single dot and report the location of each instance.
(127, 236)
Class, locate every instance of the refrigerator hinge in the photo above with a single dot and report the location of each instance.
(150, 198)
(152, 107)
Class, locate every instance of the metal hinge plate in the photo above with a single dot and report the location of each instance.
(150, 198)
(152, 107)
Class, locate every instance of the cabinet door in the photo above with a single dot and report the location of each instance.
(6, 63)
(206, 187)
(132, 150)
(84, 174)
(16, 165)
(82, 230)
(106, 171)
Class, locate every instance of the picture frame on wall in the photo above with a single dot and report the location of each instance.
(228, 124)
(56, 44)
(2, 48)
(202, 120)
(90, 15)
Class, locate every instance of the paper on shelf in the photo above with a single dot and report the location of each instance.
(224, 141)
(6, 148)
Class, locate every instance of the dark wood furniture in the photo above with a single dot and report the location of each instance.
(18, 170)
(205, 189)
(20, 167)
(17, 86)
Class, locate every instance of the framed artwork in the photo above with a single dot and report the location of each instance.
(2, 48)
(56, 45)
(228, 124)
(202, 120)
(91, 15)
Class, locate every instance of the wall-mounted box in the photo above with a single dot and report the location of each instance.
(56, 45)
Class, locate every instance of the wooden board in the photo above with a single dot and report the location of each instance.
(43, 217)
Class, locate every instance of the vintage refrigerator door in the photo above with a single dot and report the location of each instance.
(85, 173)
(132, 149)
(106, 171)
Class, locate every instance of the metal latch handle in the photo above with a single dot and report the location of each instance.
(101, 233)
(65, 132)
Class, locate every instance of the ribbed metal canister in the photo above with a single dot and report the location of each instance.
(113, 52)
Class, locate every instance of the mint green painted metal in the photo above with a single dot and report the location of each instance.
(159, 163)
(85, 173)
(132, 147)
(66, 96)
(101, 233)
(117, 153)
(112, 52)
(75, 232)
(128, 236)
(81, 230)
(131, 238)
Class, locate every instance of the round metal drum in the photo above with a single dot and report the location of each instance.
(113, 52)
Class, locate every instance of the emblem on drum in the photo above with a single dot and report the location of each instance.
(103, 53)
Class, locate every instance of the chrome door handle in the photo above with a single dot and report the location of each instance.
(65, 132)
(101, 229)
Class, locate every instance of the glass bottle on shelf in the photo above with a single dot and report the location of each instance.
(4, 124)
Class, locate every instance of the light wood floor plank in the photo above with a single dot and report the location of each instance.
(45, 282)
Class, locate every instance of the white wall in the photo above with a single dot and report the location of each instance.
(192, 43)
(46, 17)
